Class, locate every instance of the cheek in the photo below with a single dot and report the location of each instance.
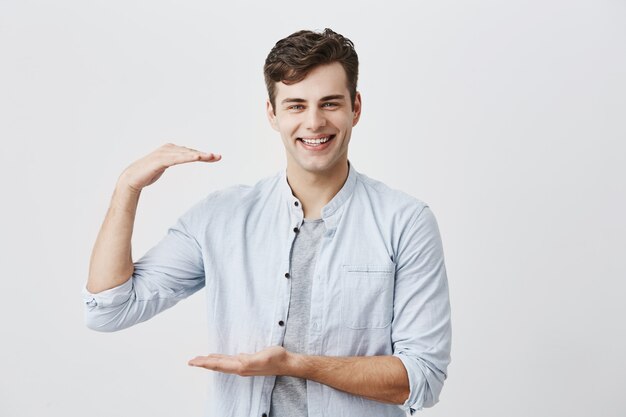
(342, 121)
(287, 131)
(289, 127)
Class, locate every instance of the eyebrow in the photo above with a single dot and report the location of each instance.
(325, 98)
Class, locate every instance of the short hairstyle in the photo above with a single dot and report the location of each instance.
(293, 57)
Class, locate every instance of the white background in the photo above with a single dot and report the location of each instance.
(507, 117)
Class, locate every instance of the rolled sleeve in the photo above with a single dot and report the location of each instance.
(108, 298)
(425, 384)
(98, 307)
(421, 329)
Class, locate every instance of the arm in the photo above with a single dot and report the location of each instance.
(120, 293)
(111, 262)
(379, 378)
(421, 330)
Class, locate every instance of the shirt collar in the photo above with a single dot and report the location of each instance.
(331, 211)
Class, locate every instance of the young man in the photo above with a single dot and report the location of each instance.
(333, 283)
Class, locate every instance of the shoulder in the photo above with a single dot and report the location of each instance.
(389, 200)
(410, 223)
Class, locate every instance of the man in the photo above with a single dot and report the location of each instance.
(333, 284)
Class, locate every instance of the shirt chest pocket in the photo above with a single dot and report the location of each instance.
(367, 296)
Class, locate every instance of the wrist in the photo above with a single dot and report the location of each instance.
(295, 365)
(123, 186)
(125, 198)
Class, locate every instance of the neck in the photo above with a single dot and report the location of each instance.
(315, 190)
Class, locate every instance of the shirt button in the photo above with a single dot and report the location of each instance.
(296, 204)
(287, 275)
(295, 230)
(281, 323)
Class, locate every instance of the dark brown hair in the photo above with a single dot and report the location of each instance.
(293, 57)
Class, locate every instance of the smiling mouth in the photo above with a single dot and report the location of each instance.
(320, 140)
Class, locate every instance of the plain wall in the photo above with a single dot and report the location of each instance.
(508, 118)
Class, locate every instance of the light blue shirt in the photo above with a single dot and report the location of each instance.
(379, 288)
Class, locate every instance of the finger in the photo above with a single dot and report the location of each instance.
(201, 156)
(213, 157)
(189, 156)
(189, 150)
(172, 149)
(220, 363)
(213, 358)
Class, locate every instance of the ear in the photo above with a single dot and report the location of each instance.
(271, 115)
(357, 109)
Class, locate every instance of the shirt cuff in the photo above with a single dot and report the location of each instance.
(411, 405)
(109, 298)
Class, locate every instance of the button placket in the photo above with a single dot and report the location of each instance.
(296, 216)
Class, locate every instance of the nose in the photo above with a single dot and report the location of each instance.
(315, 119)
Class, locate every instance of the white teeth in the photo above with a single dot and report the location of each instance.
(316, 141)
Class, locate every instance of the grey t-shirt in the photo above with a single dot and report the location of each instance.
(289, 395)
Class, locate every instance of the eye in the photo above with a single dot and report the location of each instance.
(330, 105)
(295, 107)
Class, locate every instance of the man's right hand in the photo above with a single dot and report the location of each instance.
(148, 169)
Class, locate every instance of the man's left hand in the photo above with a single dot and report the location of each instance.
(274, 360)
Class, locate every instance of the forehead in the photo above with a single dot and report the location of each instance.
(321, 81)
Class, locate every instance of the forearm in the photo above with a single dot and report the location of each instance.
(111, 261)
(379, 378)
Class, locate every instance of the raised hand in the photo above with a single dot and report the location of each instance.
(147, 170)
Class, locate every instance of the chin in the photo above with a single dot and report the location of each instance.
(319, 168)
